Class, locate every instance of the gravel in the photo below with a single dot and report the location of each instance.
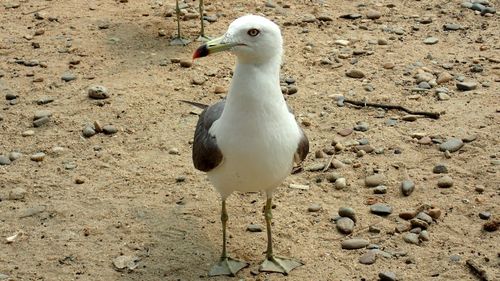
(381, 209)
(354, 243)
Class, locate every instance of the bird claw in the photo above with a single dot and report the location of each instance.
(203, 38)
(279, 265)
(227, 266)
(179, 41)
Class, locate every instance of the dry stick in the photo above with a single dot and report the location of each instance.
(433, 115)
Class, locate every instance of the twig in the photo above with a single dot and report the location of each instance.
(37, 10)
(329, 163)
(433, 115)
(477, 270)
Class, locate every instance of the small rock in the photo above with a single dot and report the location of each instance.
(185, 63)
(485, 215)
(381, 209)
(373, 14)
(109, 129)
(451, 26)
(14, 155)
(431, 40)
(254, 228)
(345, 132)
(315, 167)
(381, 189)
(444, 77)
(466, 86)
(4, 160)
(38, 157)
(354, 243)
(492, 225)
(79, 180)
(348, 213)
(434, 213)
(88, 131)
(17, 193)
(340, 183)
(28, 133)
(198, 80)
(355, 73)
(425, 140)
(411, 238)
(445, 182)
(97, 92)
(341, 42)
(387, 276)
(44, 100)
(314, 208)
(374, 180)
(345, 225)
(424, 85)
(368, 258)
(361, 127)
(125, 262)
(419, 223)
(407, 187)
(66, 77)
(425, 217)
(440, 169)
(299, 186)
(29, 212)
(408, 215)
(424, 235)
(451, 145)
(41, 121)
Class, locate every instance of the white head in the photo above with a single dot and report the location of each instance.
(253, 39)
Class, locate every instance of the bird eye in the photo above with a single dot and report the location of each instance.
(253, 32)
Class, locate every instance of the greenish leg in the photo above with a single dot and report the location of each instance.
(178, 40)
(202, 36)
(226, 265)
(273, 263)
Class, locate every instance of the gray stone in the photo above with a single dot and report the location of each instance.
(425, 217)
(424, 85)
(109, 129)
(361, 127)
(44, 100)
(381, 189)
(407, 187)
(41, 113)
(14, 155)
(445, 182)
(17, 193)
(411, 238)
(451, 145)
(440, 169)
(374, 180)
(387, 276)
(4, 276)
(41, 121)
(4, 160)
(466, 86)
(66, 77)
(254, 228)
(347, 212)
(431, 40)
(381, 209)
(485, 215)
(355, 73)
(345, 225)
(419, 223)
(340, 183)
(368, 258)
(424, 235)
(88, 131)
(451, 26)
(97, 92)
(354, 243)
(126, 262)
(314, 208)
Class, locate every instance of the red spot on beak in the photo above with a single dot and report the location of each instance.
(202, 51)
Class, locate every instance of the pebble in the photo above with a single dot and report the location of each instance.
(407, 187)
(423, 77)
(341, 42)
(41, 113)
(347, 212)
(451, 26)
(38, 157)
(408, 215)
(419, 223)
(109, 129)
(434, 213)
(28, 133)
(425, 217)
(185, 63)
(17, 193)
(337, 164)
(444, 77)
(431, 40)
(88, 131)
(445, 182)
(345, 132)
(402, 227)
(198, 80)
(355, 73)
(315, 167)
(466, 86)
(361, 127)
(411, 238)
(125, 262)
(340, 183)
(66, 77)
(41, 121)
(345, 225)
(254, 228)
(451, 145)
(4, 160)
(425, 140)
(424, 235)
(381, 209)
(44, 100)
(28, 212)
(299, 186)
(368, 258)
(4, 276)
(97, 92)
(373, 14)
(314, 208)
(354, 243)
(14, 155)
(485, 215)
(424, 85)
(387, 276)
(381, 189)
(440, 169)
(374, 180)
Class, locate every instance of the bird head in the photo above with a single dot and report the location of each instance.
(253, 39)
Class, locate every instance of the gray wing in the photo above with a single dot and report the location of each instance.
(303, 147)
(206, 153)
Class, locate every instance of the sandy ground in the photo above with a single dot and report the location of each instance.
(135, 193)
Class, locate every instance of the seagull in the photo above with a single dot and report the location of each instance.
(178, 40)
(250, 141)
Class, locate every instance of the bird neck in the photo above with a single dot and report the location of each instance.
(256, 84)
